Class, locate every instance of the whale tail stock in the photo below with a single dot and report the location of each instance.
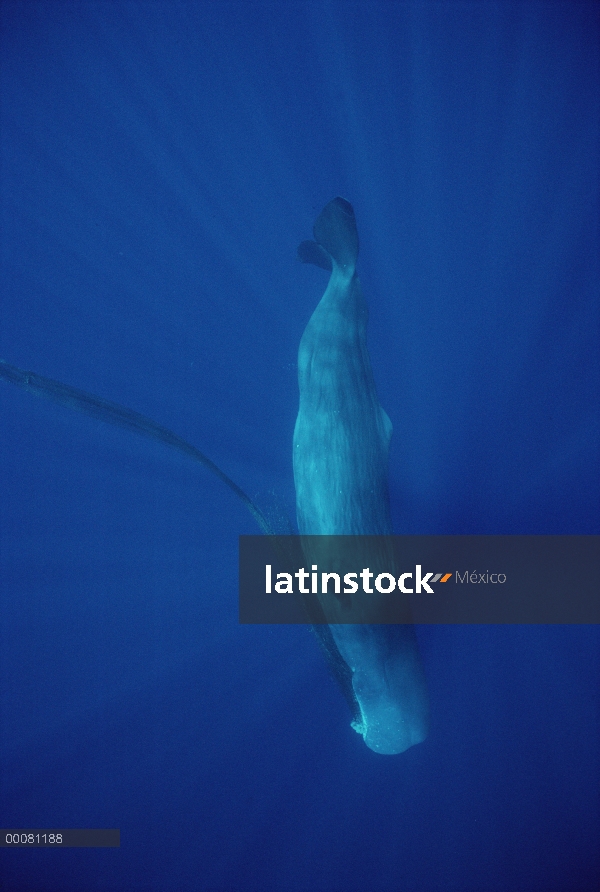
(336, 238)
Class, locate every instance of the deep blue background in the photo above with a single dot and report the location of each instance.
(160, 163)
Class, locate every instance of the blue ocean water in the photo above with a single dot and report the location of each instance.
(160, 162)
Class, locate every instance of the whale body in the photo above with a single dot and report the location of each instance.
(341, 442)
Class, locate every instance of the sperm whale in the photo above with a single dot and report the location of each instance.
(340, 453)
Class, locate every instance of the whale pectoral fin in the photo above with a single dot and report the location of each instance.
(311, 252)
(387, 426)
(335, 230)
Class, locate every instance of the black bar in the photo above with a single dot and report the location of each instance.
(59, 839)
(478, 579)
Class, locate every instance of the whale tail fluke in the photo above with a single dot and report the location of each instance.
(336, 238)
(310, 252)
